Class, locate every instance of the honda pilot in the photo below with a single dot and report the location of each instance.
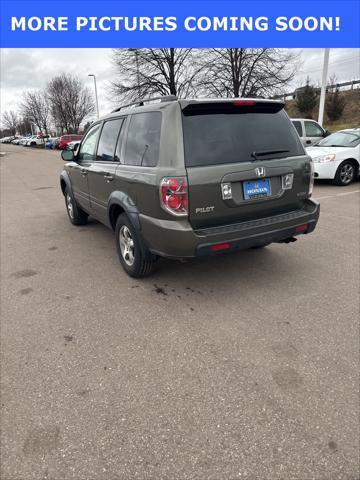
(184, 178)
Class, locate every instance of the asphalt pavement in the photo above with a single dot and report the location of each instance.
(244, 366)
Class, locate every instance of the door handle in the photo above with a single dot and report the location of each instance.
(109, 177)
(84, 172)
(308, 142)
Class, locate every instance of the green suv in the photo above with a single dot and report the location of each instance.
(184, 178)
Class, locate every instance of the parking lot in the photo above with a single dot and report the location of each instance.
(239, 366)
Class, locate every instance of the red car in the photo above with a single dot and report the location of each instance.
(65, 139)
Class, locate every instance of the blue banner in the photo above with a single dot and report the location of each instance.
(157, 23)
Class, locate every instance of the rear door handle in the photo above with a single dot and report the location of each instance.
(84, 172)
(108, 177)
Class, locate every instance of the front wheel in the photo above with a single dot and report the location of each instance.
(345, 174)
(134, 257)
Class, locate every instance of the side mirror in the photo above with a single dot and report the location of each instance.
(67, 155)
(327, 133)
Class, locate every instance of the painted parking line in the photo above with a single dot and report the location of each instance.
(337, 195)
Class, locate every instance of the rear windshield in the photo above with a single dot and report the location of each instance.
(231, 134)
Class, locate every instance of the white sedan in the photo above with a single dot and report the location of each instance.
(337, 157)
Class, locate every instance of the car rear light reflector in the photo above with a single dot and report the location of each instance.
(174, 195)
(220, 246)
(301, 228)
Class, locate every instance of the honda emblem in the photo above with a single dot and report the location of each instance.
(260, 171)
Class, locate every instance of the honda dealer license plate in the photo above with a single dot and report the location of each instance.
(257, 189)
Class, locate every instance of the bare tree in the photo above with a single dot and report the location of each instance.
(246, 72)
(70, 102)
(10, 120)
(35, 109)
(24, 126)
(153, 71)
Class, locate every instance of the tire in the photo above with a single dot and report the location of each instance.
(134, 257)
(32, 144)
(76, 215)
(345, 174)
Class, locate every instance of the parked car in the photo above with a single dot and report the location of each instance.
(65, 139)
(37, 140)
(25, 139)
(8, 139)
(73, 145)
(56, 143)
(337, 157)
(51, 142)
(310, 132)
(188, 178)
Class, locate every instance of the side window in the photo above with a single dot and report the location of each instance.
(108, 139)
(312, 129)
(143, 139)
(87, 149)
(297, 125)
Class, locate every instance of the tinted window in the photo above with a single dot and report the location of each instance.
(87, 149)
(143, 140)
(108, 139)
(232, 134)
(298, 127)
(313, 130)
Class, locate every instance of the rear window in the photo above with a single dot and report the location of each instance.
(230, 134)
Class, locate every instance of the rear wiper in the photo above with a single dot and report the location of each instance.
(262, 153)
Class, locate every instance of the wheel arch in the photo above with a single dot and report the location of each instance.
(354, 162)
(65, 182)
(120, 202)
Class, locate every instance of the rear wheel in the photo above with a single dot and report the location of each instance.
(345, 174)
(134, 257)
(77, 216)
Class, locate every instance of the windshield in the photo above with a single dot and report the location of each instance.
(231, 134)
(340, 139)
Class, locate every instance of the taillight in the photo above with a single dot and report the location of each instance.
(244, 103)
(174, 195)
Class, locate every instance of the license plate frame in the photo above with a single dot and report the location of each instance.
(255, 189)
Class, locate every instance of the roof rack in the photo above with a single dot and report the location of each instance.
(141, 101)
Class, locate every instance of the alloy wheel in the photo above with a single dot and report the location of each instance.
(126, 245)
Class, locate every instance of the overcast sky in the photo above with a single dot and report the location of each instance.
(29, 69)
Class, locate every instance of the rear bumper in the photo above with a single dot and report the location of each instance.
(176, 238)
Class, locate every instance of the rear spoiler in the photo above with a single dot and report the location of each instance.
(230, 105)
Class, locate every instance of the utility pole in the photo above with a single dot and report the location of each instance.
(96, 95)
(323, 85)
